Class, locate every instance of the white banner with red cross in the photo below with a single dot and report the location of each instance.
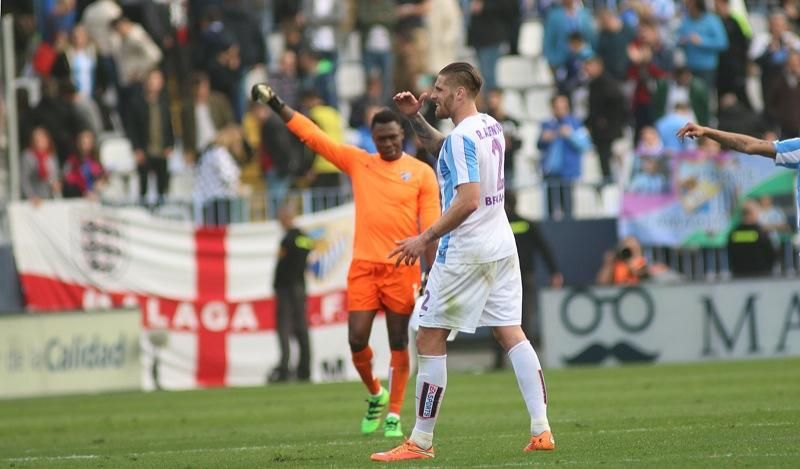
(205, 294)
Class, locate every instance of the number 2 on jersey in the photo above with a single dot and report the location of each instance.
(497, 148)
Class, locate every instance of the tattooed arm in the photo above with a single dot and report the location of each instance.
(408, 104)
(736, 142)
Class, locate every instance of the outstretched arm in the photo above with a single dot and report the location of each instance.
(409, 105)
(305, 129)
(736, 142)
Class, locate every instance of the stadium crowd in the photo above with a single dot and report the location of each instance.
(172, 76)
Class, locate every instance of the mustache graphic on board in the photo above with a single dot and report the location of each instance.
(598, 353)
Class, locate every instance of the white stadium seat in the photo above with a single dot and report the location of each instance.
(513, 104)
(116, 156)
(530, 203)
(537, 101)
(350, 80)
(515, 72)
(585, 202)
(531, 34)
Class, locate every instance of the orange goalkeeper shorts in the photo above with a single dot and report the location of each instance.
(373, 285)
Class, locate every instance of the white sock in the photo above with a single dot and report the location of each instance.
(431, 384)
(531, 384)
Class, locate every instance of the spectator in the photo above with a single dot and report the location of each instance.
(151, 135)
(282, 156)
(684, 88)
(59, 115)
(364, 132)
(783, 105)
(750, 252)
(650, 144)
(83, 173)
(569, 76)
(563, 20)
(614, 37)
(650, 180)
(322, 20)
(488, 32)
(529, 241)
(217, 177)
(243, 25)
(737, 118)
(209, 113)
(650, 60)
(563, 142)
(78, 63)
(494, 107)
(626, 265)
(285, 80)
(607, 112)
(290, 298)
(225, 75)
(411, 42)
(318, 77)
(445, 25)
(375, 22)
(669, 124)
(373, 97)
(97, 19)
(771, 51)
(772, 220)
(702, 37)
(135, 54)
(39, 168)
(732, 71)
(60, 19)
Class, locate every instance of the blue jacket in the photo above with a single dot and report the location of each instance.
(713, 40)
(562, 157)
(557, 29)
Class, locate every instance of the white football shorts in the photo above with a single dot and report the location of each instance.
(463, 297)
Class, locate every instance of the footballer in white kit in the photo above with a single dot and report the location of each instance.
(475, 280)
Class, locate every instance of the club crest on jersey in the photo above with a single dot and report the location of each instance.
(429, 400)
(405, 176)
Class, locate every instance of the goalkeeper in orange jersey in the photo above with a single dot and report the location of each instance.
(396, 197)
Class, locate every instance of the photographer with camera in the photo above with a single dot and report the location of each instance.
(626, 265)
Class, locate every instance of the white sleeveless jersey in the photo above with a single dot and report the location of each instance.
(474, 152)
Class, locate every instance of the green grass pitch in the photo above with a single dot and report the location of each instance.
(742, 414)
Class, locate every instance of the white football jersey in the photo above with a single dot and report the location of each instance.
(474, 152)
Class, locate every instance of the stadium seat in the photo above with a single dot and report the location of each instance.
(537, 100)
(33, 86)
(350, 80)
(586, 202)
(513, 104)
(515, 72)
(275, 46)
(530, 203)
(531, 34)
(350, 49)
(590, 168)
(542, 74)
(612, 200)
(116, 156)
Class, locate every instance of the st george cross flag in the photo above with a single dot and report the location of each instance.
(205, 294)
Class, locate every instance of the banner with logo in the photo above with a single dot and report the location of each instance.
(693, 199)
(206, 294)
(671, 323)
(69, 353)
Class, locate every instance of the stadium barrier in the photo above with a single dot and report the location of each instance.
(206, 296)
(671, 323)
(81, 352)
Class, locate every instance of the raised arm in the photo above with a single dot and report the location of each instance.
(736, 142)
(409, 105)
(305, 129)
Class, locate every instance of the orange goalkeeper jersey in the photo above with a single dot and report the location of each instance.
(393, 199)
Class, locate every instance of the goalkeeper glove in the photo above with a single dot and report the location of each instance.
(264, 94)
